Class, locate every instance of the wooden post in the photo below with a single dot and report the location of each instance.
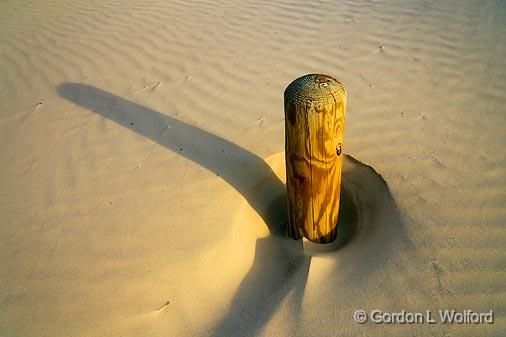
(315, 111)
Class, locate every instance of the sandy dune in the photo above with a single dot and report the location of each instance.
(142, 172)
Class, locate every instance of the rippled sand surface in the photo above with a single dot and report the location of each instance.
(141, 166)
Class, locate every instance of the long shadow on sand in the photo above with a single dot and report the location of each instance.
(280, 263)
(277, 259)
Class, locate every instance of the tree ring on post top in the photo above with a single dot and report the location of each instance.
(315, 88)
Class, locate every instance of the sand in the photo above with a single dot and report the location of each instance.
(142, 167)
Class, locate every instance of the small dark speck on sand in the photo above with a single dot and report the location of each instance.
(164, 306)
(381, 48)
(180, 149)
(131, 123)
(38, 105)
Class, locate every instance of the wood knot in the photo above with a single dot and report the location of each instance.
(320, 78)
(300, 179)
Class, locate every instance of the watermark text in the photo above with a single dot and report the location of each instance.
(446, 316)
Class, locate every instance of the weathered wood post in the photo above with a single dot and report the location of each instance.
(315, 111)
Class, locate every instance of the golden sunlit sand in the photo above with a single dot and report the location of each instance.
(142, 167)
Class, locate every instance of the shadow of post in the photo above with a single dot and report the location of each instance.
(277, 259)
(237, 166)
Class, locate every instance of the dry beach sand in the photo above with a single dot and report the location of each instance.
(142, 166)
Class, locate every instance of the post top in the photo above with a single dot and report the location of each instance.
(315, 88)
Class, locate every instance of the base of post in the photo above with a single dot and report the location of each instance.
(348, 224)
(311, 248)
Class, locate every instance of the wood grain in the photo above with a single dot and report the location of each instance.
(315, 111)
